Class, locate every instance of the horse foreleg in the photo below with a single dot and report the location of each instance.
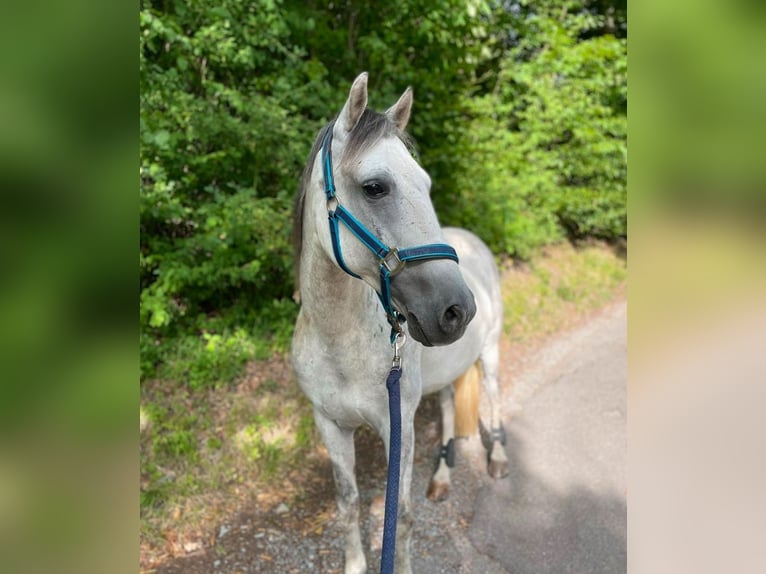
(497, 465)
(438, 489)
(340, 446)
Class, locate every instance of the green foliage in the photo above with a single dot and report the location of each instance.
(222, 142)
(545, 155)
(570, 101)
(210, 359)
(520, 120)
(567, 282)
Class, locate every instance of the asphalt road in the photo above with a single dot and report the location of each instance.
(563, 507)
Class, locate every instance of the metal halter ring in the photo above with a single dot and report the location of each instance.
(332, 204)
(392, 262)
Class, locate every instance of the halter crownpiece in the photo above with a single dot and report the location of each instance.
(392, 260)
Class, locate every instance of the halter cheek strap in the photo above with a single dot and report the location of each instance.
(392, 260)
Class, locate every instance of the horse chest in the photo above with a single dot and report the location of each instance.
(346, 384)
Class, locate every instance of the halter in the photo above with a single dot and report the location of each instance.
(392, 260)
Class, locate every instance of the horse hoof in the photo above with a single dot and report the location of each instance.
(437, 491)
(498, 468)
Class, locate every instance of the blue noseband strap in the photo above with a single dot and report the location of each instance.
(392, 260)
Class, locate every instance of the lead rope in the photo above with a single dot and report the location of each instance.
(394, 455)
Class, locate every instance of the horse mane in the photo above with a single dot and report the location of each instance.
(371, 128)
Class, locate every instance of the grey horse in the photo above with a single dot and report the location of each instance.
(341, 349)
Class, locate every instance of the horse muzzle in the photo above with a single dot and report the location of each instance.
(435, 315)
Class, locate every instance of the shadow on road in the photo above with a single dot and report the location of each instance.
(528, 526)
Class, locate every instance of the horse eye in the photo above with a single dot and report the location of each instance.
(374, 189)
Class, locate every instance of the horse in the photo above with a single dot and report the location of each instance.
(450, 313)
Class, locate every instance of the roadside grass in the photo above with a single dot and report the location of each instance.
(210, 452)
(226, 429)
(556, 289)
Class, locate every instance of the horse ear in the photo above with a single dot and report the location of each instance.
(355, 104)
(399, 113)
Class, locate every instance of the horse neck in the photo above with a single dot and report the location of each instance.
(333, 300)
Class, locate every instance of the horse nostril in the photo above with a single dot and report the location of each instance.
(453, 318)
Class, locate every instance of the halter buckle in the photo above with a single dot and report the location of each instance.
(332, 205)
(392, 262)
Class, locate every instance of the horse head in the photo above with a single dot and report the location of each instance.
(377, 180)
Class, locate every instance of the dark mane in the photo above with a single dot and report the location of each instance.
(371, 128)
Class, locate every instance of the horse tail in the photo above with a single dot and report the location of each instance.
(467, 401)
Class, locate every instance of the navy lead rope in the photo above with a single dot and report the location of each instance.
(392, 261)
(394, 455)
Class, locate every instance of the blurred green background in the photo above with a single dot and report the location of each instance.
(68, 234)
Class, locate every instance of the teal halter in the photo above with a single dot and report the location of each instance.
(392, 260)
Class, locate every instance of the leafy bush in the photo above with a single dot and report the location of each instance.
(221, 145)
(545, 153)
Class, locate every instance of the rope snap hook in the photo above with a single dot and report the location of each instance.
(399, 341)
